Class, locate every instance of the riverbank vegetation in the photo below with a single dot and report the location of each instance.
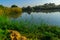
(45, 7)
(13, 10)
(31, 31)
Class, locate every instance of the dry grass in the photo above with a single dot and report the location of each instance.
(15, 35)
(1, 11)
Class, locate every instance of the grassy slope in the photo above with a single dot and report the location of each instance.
(43, 31)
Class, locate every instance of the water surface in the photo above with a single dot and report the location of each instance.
(52, 18)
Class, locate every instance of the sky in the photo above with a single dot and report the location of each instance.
(24, 3)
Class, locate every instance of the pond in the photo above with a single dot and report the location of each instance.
(51, 18)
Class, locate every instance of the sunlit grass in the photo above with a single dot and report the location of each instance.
(31, 31)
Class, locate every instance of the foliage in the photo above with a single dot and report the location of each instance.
(14, 6)
(39, 32)
(11, 12)
(44, 7)
(31, 31)
(14, 12)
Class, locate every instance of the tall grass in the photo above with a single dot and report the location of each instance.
(31, 31)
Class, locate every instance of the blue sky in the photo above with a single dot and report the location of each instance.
(27, 2)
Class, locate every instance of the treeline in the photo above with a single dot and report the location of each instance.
(44, 7)
(39, 8)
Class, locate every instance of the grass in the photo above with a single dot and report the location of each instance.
(33, 31)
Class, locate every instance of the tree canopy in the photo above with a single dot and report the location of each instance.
(14, 6)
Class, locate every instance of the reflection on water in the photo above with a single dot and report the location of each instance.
(45, 11)
(52, 18)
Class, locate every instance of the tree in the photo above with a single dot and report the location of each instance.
(14, 6)
(1, 6)
(51, 4)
